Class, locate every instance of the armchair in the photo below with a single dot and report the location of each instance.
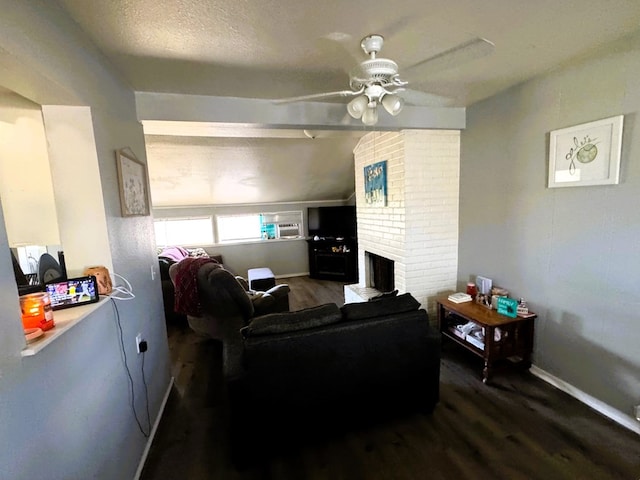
(168, 256)
(222, 298)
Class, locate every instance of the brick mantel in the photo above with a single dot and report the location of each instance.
(418, 229)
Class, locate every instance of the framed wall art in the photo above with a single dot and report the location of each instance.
(132, 179)
(587, 154)
(375, 184)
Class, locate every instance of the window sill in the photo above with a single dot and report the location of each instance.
(257, 241)
(64, 320)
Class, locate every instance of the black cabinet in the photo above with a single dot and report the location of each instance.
(333, 259)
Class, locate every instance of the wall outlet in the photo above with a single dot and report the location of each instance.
(139, 340)
(636, 412)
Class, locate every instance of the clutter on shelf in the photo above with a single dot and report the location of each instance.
(460, 297)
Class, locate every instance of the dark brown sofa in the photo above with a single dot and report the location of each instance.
(293, 373)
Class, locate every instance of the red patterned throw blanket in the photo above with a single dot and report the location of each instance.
(187, 300)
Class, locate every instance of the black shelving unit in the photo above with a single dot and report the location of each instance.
(331, 259)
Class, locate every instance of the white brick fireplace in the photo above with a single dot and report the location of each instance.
(418, 228)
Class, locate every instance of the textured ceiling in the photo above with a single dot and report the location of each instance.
(280, 48)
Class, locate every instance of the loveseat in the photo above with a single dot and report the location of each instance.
(291, 373)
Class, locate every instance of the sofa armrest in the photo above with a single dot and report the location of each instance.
(281, 295)
(279, 290)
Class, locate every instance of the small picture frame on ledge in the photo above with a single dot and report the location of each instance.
(132, 180)
(483, 299)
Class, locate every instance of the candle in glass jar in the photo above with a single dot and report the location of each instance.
(471, 289)
(36, 311)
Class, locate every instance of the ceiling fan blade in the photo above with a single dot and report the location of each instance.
(424, 99)
(456, 56)
(314, 96)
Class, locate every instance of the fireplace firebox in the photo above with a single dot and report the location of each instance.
(381, 272)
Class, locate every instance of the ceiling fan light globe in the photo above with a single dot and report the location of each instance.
(370, 116)
(357, 106)
(393, 104)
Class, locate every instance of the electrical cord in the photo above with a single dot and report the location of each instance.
(146, 392)
(131, 385)
(126, 290)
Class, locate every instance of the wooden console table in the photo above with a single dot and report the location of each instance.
(506, 339)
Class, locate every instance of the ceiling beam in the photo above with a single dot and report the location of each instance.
(172, 107)
(32, 84)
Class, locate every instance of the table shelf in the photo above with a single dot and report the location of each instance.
(505, 338)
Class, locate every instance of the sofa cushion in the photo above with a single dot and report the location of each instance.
(293, 321)
(392, 293)
(380, 307)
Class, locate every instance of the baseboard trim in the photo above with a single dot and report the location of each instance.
(303, 274)
(599, 406)
(147, 447)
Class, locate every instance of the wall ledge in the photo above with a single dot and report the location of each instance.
(64, 320)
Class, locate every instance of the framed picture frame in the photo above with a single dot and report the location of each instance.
(586, 154)
(132, 181)
(375, 184)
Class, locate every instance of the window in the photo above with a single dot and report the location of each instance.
(244, 227)
(256, 226)
(184, 231)
(239, 227)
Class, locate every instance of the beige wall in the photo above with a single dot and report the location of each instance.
(25, 175)
(50, 183)
(77, 187)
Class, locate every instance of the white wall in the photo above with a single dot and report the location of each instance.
(571, 252)
(65, 413)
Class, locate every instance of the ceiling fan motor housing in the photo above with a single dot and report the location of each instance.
(379, 68)
(375, 70)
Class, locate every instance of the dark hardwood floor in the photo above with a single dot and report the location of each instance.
(518, 428)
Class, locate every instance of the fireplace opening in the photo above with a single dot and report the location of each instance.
(381, 272)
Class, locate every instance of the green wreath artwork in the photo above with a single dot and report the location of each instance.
(585, 151)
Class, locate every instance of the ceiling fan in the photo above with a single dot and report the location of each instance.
(377, 81)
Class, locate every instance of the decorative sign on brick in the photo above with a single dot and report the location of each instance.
(375, 184)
